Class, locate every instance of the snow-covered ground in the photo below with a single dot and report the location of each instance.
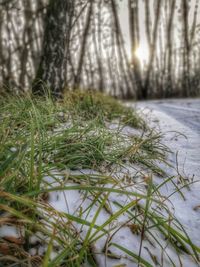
(182, 137)
(178, 121)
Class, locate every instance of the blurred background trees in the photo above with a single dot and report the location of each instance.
(170, 31)
(65, 45)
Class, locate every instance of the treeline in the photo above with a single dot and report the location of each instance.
(62, 45)
(172, 34)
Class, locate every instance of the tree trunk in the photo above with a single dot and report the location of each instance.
(146, 87)
(170, 66)
(134, 38)
(50, 77)
(186, 53)
(77, 80)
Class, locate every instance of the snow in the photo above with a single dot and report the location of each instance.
(185, 145)
(9, 230)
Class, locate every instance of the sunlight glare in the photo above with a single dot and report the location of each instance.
(142, 53)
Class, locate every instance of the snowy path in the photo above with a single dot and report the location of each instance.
(186, 112)
(183, 117)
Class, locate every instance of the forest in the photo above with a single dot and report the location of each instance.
(99, 133)
(84, 42)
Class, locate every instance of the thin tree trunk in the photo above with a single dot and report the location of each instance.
(83, 46)
(134, 36)
(169, 89)
(148, 22)
(121, 53)
(145, 89)
(186, 53)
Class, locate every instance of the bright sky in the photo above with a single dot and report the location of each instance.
(142, 51)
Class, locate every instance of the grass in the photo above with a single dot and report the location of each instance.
(41, 138)
(92, 105)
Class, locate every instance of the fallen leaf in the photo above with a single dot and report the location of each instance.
(196, 208)
(111, 255)
(135, 228)
(15, 240)
(5, 249)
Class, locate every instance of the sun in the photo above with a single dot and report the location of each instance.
(142, 53)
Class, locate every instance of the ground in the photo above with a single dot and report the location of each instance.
(181, 116)
(185, 111)
(91, 183)
(180, 121)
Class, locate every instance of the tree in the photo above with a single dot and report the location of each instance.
(186, 52)
(134, 38)
(169, 88)
(152, 48)
(51, 71)
(83, 45)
